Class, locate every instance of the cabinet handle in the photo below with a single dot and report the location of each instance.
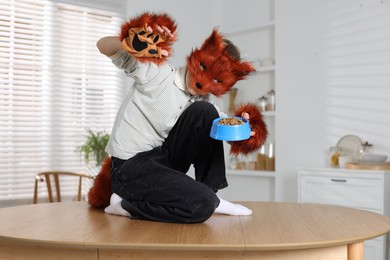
(338, 180)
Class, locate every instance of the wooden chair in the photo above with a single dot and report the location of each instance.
(46, 176)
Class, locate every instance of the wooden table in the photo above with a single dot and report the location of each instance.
(275, 231)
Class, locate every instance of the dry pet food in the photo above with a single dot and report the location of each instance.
(231, 121)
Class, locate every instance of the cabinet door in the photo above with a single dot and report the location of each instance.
(373, 249)
(246, 187)
(353, 192)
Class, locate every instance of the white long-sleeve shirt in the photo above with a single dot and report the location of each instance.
(151, 107)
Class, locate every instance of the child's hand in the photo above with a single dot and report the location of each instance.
(149, 37)
(164, 32)
(259, 131)
(246, 116)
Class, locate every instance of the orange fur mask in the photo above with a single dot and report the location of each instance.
(212, 69)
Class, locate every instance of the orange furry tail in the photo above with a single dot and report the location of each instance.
(257, 124)
(100, 193)
(146, 47)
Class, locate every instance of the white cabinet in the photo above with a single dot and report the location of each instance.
(249, 186)
(361, 189)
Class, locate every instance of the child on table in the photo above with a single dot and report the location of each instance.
(163, 125)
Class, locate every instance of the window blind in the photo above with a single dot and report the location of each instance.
(54, 84)
(357, 40)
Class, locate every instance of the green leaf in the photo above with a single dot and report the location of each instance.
(94, 146)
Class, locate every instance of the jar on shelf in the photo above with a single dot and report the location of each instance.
(261, 158)
(252, 162)
(270, 160)
(263, 103)
(271, 100)
(266, 158)
(233, 162)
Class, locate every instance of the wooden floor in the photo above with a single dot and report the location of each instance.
(275, 231)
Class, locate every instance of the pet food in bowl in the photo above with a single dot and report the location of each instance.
(230, 129)
(231, 121)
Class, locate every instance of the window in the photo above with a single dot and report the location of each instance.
(54, 84)
(357, 65)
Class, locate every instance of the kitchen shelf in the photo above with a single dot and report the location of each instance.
(268, 174)
(256, 41)
(265, 26)
(268, 113)
(264, 69)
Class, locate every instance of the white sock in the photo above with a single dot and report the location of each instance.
(115, 207)
(228, 208)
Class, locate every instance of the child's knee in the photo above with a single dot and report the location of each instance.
(203, 108)
(206, 207)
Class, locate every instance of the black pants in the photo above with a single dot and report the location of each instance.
(154, 185)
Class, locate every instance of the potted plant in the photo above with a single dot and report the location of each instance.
(94, 147)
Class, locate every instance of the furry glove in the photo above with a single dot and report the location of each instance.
(143, 45)
(257, 124)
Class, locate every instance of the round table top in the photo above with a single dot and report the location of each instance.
(272, 226)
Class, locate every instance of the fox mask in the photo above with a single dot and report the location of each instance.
(212, 69)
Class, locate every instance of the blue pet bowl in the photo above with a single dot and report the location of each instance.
(230, 132)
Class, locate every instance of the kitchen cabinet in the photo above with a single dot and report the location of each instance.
(361, 189)
(255, 37)
(249, 186)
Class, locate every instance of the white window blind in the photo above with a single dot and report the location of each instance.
(357, 40)
(54, 84)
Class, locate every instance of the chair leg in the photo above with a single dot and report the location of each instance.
(79, 189)
(57, 182)
(35, 200)
(48, 184)
(57, 185)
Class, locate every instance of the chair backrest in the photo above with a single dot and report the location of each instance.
(45, 176)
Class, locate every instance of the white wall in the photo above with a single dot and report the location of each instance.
(333, 80)
(300, 91)
(357, 65)
(241, 15)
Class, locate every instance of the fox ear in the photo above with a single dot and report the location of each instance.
(213, 43)
(242, 69)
